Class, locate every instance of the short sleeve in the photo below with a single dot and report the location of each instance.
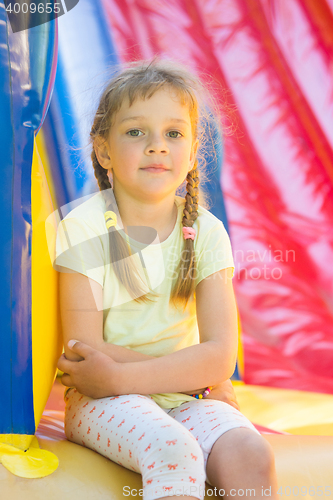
(215, 253)
(80, 248)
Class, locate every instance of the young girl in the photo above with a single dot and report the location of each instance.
(146, 292)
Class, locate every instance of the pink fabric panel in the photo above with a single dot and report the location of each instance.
(275, 58)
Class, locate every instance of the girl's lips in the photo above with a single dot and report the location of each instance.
(155, 169)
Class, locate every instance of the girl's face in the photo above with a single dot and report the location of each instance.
(155, 132)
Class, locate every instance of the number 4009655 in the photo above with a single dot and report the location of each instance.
(32, 8)
(302, 491)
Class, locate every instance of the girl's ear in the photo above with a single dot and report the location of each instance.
(193, 153)
(102, 153)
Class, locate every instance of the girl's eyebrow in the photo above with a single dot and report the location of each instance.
(140, 117)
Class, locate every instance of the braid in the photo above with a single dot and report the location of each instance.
(191, 197)
(185, 284)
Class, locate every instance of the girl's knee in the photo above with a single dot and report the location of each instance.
(258, 450)
(252, 449)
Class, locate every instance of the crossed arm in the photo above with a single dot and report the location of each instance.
(107, 369)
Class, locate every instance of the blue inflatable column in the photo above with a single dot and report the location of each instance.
(27, 71)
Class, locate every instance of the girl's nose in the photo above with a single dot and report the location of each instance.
(156, 144)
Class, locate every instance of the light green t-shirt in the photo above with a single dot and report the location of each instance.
(158, 328)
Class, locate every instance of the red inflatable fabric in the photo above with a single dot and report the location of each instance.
(276, 59)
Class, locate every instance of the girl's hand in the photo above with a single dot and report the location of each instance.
(224, 392)
(95, 376)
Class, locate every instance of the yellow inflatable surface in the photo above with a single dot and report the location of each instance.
(295, 412)
(303, 462)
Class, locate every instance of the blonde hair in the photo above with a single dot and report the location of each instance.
(140, 80)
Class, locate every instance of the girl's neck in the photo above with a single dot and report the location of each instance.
(161, 216)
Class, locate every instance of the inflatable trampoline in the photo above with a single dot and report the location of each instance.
(269, 65)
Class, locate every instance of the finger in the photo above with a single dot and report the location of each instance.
(64, 364)
(66, 380)
(80, 348)
(62, 357)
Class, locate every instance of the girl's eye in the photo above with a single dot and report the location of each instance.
(134, 132)
(174, 132)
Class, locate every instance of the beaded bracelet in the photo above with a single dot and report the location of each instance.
(203, 395)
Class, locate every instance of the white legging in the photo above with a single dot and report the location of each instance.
(168, 447)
